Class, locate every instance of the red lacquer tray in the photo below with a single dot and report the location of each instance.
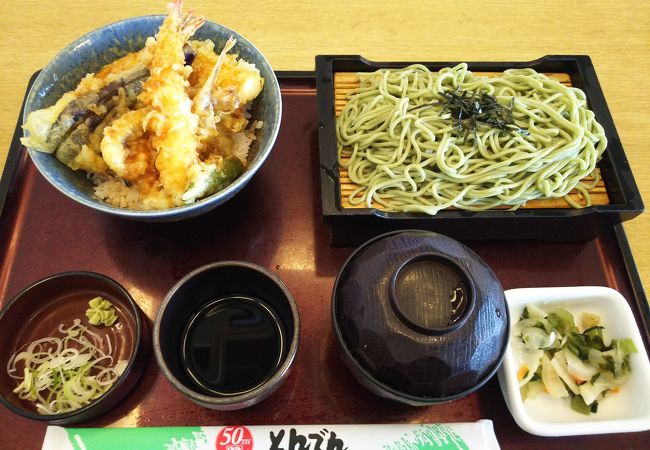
(276, 222)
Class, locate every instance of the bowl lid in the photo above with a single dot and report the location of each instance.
(421, 316)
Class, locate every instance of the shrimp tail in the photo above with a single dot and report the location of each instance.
(187, 23)
(202, 100)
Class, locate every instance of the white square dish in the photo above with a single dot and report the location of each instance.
(626, 411)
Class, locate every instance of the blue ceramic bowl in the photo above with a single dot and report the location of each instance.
(94, 50)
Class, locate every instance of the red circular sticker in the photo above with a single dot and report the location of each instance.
(234, 438)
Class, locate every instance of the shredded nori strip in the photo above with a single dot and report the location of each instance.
(469, 109)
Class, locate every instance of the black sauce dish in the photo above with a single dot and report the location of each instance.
(38, 312)
(227, 334)
(419, 318)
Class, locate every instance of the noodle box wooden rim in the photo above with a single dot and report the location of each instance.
(352, 226)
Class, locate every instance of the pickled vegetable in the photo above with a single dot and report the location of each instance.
(557, 358)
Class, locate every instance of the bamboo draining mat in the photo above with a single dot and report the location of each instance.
(344, 82)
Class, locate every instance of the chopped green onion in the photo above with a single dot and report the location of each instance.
(64, 374)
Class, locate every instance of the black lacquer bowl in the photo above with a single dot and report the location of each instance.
(420, 318)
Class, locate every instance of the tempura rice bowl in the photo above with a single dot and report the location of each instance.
(94, 50)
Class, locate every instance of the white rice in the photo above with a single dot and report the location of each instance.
(116, 192)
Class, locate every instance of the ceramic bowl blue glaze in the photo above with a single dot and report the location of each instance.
(102, 46)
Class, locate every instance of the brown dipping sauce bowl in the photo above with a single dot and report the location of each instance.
(40, 309)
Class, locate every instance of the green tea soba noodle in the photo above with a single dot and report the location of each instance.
(415, 140)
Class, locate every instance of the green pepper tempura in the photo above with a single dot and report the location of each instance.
(101, 312)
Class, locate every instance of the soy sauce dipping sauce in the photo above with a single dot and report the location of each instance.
(233, 345)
